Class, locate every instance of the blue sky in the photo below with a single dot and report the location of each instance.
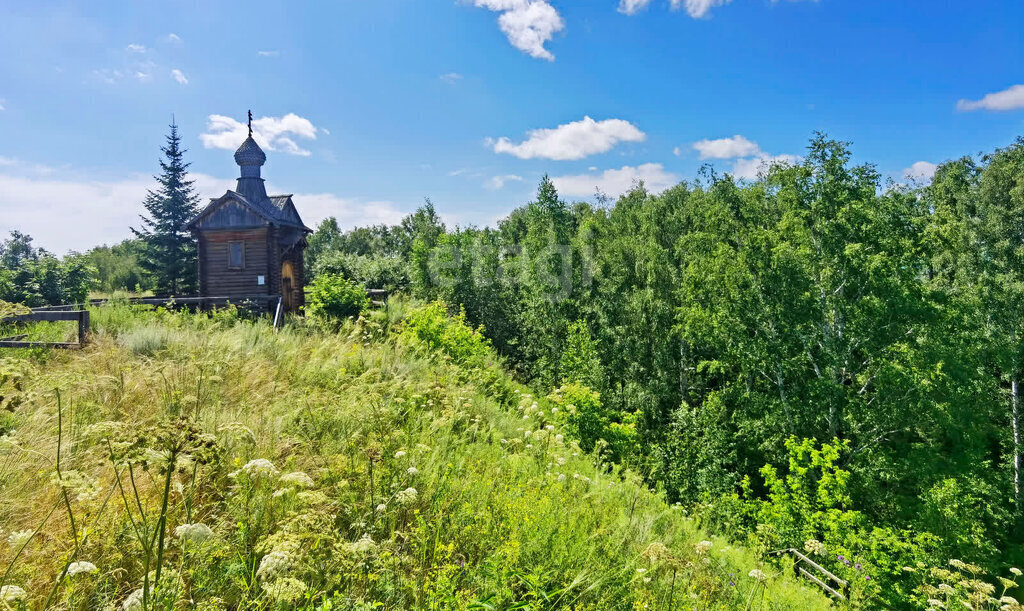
(368, 106)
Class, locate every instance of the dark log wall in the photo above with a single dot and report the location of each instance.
(217, 279)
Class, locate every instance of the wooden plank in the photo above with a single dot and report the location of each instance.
(821, 583)
(42, 317)
(817, 566)
(62, 345)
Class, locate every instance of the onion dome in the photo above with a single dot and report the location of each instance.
(250, 154)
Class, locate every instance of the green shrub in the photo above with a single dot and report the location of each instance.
(431, 327)
(333, 297)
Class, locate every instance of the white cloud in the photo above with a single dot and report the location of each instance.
(272, 133)
(272, 53)
(458, 172)
(921, 170)
(571, 141)
(528, 24)
(134, 48)
(616, 182)
(325, 131)
(749, 169)
(350, 212)
(632, 7)
(1007, 99)
(54, 211)
(172, 37)
(694, 8)
(726, 148)
(143, 77)
(451, 78)
(2, 101)
(698, 8)
(179, 76)
(498, 182)
(677, 151)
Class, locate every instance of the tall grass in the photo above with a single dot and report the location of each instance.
(208, 462)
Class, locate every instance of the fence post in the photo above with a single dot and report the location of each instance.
(277, 313)
(83, 327)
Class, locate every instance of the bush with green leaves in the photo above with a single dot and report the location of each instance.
(334, 297)
(431, 326)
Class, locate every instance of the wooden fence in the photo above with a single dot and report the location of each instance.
(826, 580)
(17, 341)
(78, 312)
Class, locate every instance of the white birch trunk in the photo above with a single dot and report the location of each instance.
(1015, 417)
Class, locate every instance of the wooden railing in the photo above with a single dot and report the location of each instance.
(17, 341)
(823, 578)
(166, 301)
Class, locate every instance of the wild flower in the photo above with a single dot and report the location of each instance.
(400, 454)
(814, 547)
(413, 471)
(193, 533)
(657, 551)
(957, 564)
(561, 477)
(12, 594)
(757, 574)
(406, 497)
(945, 587)
(19, 538)
(559, 438)
(381, 508)
(933, 602)
(285, 590)
(1015, 571)
(703, 547)
(1007, 583)
(1008, 600)
(527, 433)
(274, 565)
(81, 567)
(258, 468)
(981, 586)
(364, 545)
(84, 488)
(133, 602)
(549, 428)
(297, 479)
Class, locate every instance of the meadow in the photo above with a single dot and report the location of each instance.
(387, 462)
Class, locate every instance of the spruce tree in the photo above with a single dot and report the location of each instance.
(169, 255)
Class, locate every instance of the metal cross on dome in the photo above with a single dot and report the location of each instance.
(250, 124)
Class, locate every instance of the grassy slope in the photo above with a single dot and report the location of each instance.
(493, 521)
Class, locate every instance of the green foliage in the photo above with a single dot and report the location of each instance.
(431, 327)
(119, 268)
(335, 298)
(373, 272)
(580, 362)
(34, 277)
(722, 318)
(170, 253)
